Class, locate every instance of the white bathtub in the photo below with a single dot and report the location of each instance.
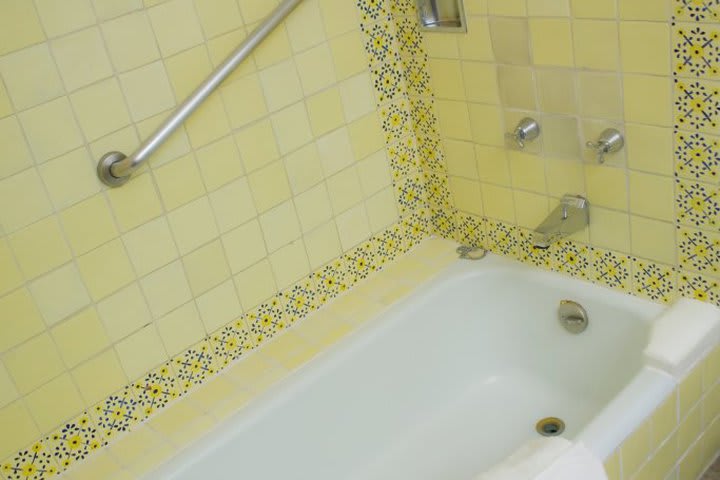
(446, 383)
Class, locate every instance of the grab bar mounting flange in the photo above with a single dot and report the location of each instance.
(114, 168)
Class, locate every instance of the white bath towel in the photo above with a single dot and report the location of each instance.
(548, 459)
(528, 461)
(574, 464)
(681, 335)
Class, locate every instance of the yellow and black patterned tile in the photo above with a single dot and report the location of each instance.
(654, 281)
(400, 8)
(431, 154)
(501, 238)
(696, 51)
(538, 257)
(442, 222)
(380, 43)
(195, 365)
(404, 235)
(396, 118)
(157, 389)
(117, 414)
(697, 105)
(570, 258)
(362, 260)
(696, 10)
(382, 255)
(74, 441)
(409, 38)
(697, 157)
(697, 204)
(386, 66)
(417, 76)
(438, 190)
(35, 463)
(331, 280)
(301, 299)
(470, 230)
(389, 80)
(230, 342)
(699, 287)
(403, 157)
(419, 226)
(699, 251)
(410, 192)
(373, 11)
(611, 269)
(268, 319)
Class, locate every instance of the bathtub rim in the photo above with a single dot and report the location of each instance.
(375, 326)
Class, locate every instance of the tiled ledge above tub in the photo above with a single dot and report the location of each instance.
(163, 435)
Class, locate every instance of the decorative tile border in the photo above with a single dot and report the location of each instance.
(143, 398)
(697, 51)
(609, 268)
(409, 155)
(654, 281)
(699, 251)
(698, 11)
(672, 442)
(696, 64)
(470, 230)
(697, 104)
(697, 157)
(414, 59)
(699, 287)
(398, 67)
(697, 204)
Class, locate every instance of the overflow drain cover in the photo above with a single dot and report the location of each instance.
(550, 427)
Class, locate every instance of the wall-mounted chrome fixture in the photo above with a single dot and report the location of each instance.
(467, 252)
(526, 131)
(114, 168)
(442, 15)
(572, 215)
(610, 141)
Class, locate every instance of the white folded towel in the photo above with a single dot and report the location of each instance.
(529, 460)
(681, 335)
(577, 463)
(548, 459)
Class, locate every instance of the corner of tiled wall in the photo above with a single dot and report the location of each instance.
(303, 174)
(649, 69)
(681, 437)
(436, 137)
(579, 67)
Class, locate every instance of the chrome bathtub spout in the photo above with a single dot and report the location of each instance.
(572, 215)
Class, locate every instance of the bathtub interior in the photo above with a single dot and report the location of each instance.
(523, 330)
(442, 385)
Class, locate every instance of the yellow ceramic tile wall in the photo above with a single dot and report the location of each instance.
(681, 437)
(284, 169)
(578, 67)
(228, 223)
(157, 440)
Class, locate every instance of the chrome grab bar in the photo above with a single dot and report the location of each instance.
(115, 168)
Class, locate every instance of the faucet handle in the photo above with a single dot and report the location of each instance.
(515, 137)
(610, 141)
(527, 130)
(601, 149)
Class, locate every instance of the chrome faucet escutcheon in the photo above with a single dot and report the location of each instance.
(526, 131)
(610, 141)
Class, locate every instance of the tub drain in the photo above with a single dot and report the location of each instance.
(550, 427)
